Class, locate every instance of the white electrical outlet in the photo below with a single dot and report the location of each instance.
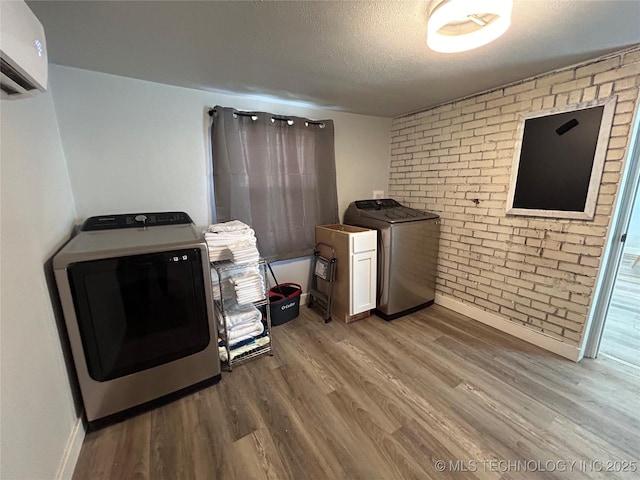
(378, 194)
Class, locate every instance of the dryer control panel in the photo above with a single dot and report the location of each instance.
(135, 220)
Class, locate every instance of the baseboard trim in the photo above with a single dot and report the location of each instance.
(541, 340)
(71, 452)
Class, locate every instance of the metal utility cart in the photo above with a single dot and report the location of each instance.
(323, 269)
(225, 304)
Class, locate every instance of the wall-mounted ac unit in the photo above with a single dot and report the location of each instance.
(23, 51)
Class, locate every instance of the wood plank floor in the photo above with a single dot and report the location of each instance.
(387, 400)
(621, 336)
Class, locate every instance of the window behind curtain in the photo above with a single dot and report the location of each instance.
(277, 175)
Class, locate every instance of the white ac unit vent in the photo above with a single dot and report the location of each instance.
(23, 51)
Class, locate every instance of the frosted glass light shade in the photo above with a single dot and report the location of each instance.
(460, 25)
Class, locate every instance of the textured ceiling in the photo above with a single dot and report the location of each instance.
(362, 57)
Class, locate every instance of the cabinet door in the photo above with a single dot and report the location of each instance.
(363, 281)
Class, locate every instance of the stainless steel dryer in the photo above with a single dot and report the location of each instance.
(407, 253)
(136, 294)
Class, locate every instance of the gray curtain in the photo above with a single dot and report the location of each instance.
(277, 175)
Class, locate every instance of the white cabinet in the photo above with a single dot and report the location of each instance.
(363, 282)
(354, 292)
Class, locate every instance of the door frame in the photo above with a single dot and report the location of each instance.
(629, 188)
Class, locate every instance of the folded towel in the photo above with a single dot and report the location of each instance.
(236, 352)
(254, 330)
(223, 285)
(252, 258)
(246, 277)
(244, 252)
(249, 288)
(242, 316)
(232, 240)
(250, 298)
(244, 270)
(256, 285)
(223, 343)
(218, 239)
(232, 226)
(220, 254)
(240, 320)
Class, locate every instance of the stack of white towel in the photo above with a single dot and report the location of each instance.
(246, 285)
(249, 285)
(233, 240)
(243, 322)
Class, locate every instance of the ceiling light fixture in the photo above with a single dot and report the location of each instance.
(460, 25)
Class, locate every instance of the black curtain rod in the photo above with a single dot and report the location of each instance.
(251, 114)
(242, 114)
